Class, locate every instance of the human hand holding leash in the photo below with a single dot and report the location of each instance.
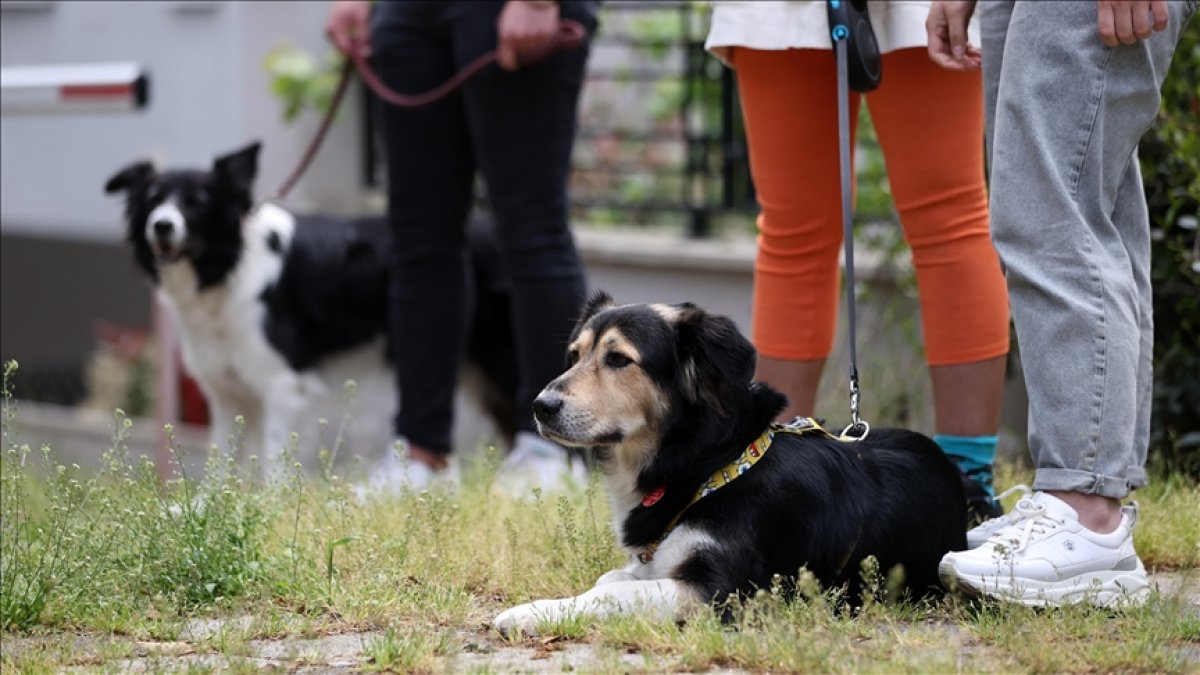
(348, 27)
(525, 29)
(946, 28)
(529, 29)
(1127, 21)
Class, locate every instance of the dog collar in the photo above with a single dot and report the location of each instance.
(727, 474)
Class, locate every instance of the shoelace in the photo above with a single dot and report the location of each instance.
(1025, 491)
(1029, 519)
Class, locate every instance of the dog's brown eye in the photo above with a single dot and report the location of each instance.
(616, 360)
(572, 357)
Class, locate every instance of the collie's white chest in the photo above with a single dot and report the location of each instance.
(220, 335)
(221, 327)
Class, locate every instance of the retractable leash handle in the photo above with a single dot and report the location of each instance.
(849, 23)
(859, 67)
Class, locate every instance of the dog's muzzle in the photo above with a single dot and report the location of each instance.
(549, 416)
(166, 248)
(557, 422)
(547, 406)
(166, 231)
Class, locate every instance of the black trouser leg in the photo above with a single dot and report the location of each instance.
(430, 167)
(523, 127)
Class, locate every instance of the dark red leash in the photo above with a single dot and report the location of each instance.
(570, 34)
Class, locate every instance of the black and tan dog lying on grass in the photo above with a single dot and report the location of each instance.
(708, 496)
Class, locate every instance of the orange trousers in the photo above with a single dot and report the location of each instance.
(930, 125)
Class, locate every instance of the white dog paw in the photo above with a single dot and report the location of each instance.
(522, 619)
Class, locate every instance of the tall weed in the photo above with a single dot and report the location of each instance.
(77, 549)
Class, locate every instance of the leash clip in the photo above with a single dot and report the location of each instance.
(859, 426)
(860, 429)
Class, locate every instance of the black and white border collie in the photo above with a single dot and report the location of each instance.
(663, 395)
(276, 312)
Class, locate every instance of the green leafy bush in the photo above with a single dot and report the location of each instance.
(299, 82)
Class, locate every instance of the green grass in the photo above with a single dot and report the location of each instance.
(97, 568)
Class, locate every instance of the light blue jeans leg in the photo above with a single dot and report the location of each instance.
(1069, 220)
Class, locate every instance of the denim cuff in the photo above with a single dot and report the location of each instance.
(1088, 483)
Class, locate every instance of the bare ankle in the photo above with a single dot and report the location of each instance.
(1097, 513)
(433, 460)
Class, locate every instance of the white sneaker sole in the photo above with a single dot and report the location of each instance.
(1111, 589)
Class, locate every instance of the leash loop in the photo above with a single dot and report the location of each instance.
(570, 34)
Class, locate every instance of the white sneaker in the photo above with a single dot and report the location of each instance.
(1044, 556)
(976, 536)
(395, 473)
(537, 462)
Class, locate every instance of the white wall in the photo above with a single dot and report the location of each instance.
(208, 94)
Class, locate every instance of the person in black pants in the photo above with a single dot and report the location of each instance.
(516, 126)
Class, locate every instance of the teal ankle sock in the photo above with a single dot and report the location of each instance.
(974, 455)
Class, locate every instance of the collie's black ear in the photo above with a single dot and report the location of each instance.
(131, 176)
(239, 167)
(716, 361)
(599, 301)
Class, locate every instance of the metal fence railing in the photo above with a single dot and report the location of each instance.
(676, 151)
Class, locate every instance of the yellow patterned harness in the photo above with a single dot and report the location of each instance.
(728, 473)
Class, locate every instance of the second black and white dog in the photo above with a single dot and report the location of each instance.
(276, 311)
(709, 497)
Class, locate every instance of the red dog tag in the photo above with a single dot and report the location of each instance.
(654, 495)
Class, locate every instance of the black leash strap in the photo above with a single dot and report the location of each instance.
(858, 428)
(849, 25)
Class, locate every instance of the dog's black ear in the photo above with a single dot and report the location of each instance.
(716, 360)
(131, 176)
(239, 168)
(599, 301)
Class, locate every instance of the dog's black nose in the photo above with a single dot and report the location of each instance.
(163, 228)
(547, 405)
